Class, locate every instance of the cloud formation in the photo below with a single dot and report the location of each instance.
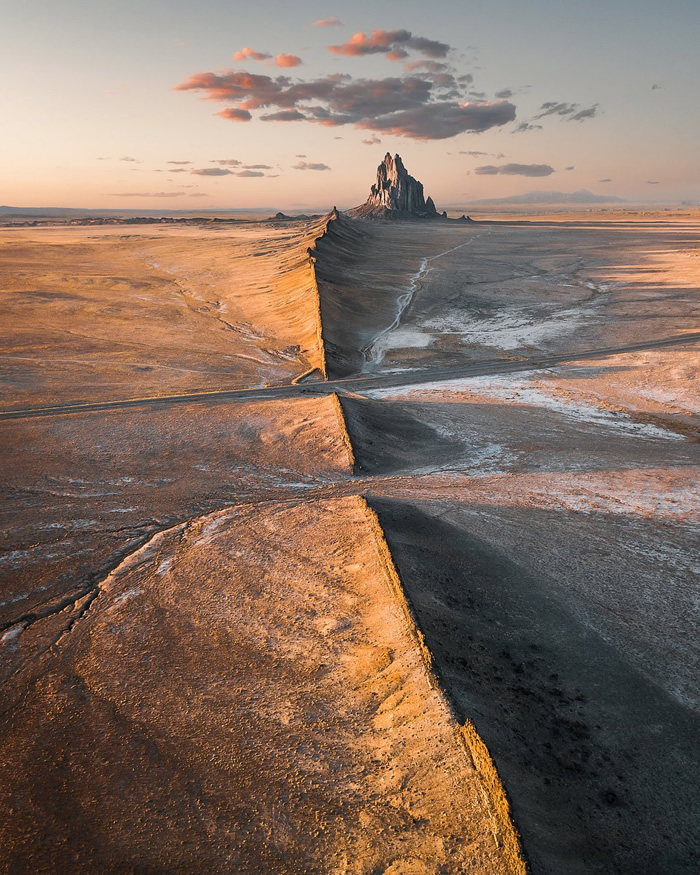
(440, 120)
(178, 162)
(284, 115)
(305, 165)
(582, 114)
(514, 170)
(246, 171)
(474, 154)
(147, 194)
(211, 171)
(526, 126)
(428, 67)
(234, 162)
(328, 22)
(281, 60)
(607, 179)
(232, 114)
(246, 54)
(371, 141)
(412, 106)
(285, 60)
(395, 44)
(567, 111)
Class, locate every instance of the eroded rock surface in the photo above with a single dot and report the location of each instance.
(395, 195)
(244, 695)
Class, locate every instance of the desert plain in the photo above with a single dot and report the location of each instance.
(333, 545)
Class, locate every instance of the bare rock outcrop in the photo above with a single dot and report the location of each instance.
(395, 195)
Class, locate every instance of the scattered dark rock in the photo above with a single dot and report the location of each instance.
(283, 217)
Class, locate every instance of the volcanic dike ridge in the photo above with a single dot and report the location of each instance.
(395, 195)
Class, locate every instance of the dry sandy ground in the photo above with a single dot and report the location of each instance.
(83, 491)
(507, 291)
(92, 313)
(206, 662)
(243, 693)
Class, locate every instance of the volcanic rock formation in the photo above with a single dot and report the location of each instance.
(395, 195)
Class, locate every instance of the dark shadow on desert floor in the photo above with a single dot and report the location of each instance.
(392, 435)
(601, 763)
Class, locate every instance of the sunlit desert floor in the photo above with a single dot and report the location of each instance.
(242, 633)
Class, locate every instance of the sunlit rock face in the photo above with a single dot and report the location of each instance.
(395, 195)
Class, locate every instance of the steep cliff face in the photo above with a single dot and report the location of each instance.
(395, 195)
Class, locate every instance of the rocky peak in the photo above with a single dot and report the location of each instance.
(396, 194)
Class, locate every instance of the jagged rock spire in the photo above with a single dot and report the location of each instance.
(395, 194)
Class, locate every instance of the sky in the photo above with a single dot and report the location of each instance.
(215, 104)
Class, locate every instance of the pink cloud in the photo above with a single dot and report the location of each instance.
(246, 53)
(379, 42)
(234, 115)
(411, 106)
(328, 22)
(392, 43)
(287, 60)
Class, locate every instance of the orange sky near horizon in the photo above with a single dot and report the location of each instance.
(229, 105)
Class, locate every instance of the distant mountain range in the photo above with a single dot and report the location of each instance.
(582, 196)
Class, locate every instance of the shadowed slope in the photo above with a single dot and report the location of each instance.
(593, 754)
(336, 255)
(362, 269)
(386, 438)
